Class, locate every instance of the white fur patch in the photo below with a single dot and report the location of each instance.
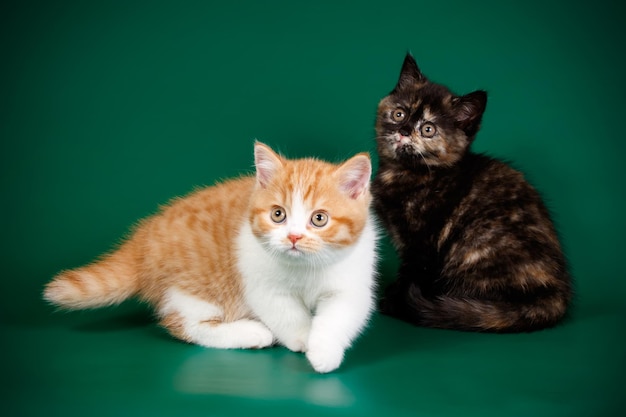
(299, 216)
(197, 313)
(319, 304)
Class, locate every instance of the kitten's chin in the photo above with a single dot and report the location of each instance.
(288, 254)
(401, 152)
(295, 258)
(407, 154)
(397, 147)
(299, 257)
(405, 150)
(294, 253)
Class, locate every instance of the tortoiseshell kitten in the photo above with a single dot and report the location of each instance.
(477, 248)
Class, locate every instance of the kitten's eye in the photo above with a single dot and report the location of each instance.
(319, 219)
(278, 215)
(398, 115)
(428, 130)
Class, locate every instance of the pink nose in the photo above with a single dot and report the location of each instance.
(294, 237)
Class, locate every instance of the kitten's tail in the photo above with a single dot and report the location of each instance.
(448, 312)
(108, 281)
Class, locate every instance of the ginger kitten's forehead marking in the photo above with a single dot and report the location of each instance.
(309, 185)
(301, 188)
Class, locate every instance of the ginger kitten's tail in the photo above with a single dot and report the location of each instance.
(106, 282)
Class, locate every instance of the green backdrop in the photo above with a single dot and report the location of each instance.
(110, 108)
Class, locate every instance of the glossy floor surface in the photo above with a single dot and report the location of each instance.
(108, 109)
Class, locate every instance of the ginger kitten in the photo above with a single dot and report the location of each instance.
(287, 257)
(478, 249)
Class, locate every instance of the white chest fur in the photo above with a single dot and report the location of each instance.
(317, 307)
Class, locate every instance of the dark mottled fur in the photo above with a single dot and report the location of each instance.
(477, 248)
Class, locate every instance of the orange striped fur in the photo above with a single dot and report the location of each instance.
(184, 259)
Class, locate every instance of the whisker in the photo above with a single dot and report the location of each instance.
(425, 162)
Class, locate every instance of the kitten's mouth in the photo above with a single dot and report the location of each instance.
(294, 251)
(400, 144)
(403, 148)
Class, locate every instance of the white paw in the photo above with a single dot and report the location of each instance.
(297, 341)
(324, 357)
(254, 335)
(296, 345)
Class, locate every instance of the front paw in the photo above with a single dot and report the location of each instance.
(296, 345)
(324, 357)
(297, 341)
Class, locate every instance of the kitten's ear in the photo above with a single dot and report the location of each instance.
(469, 111)
(410, 73)
(354, 175)
(267, 162)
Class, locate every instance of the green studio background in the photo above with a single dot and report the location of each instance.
(109, 109)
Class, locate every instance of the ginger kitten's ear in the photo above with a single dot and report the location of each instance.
(267, 162)
(354, 175)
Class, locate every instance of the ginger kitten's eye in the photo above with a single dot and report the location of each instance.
(278, 214)
(428, 130)
(398, 115)
(319, 219)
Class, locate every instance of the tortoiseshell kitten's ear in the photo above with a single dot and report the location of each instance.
(469, 111)
(410, 74)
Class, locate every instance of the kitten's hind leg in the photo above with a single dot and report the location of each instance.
(200, 322)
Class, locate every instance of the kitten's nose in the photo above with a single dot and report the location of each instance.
(405, 131)
(293, 237)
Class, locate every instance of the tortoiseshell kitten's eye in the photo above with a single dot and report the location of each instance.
(428, 130)
(398, 115)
